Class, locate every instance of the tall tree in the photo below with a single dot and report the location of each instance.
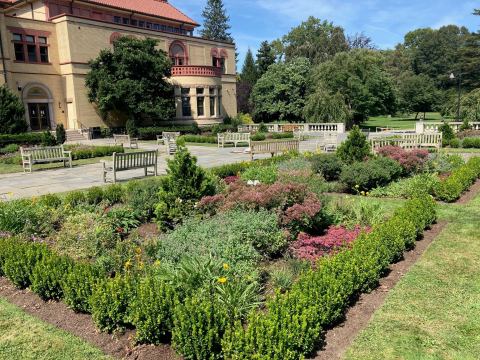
(249, 70)
(323, 107)
(417, 93)
(130, 81)
(12, 112)
(216, 22)
(360, 41)
(265, 58)
(359, 75)
(315, 40)
(281, 92)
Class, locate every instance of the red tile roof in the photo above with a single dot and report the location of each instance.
(160, 8)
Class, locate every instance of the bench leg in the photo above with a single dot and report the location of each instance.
(146, 171)
(114, 177)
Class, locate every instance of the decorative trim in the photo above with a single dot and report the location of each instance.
(31, 32)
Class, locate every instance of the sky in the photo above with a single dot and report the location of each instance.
(385, 21)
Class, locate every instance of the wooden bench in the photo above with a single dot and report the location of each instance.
(166, 137)
(131, 161)
(43, 155)
(409, 141)
(233, 138)
(126, 140)
(273, 147)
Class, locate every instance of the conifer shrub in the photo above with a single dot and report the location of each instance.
(48, 275)
(355, 148)
(78, 285)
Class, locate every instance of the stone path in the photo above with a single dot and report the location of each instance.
(40, 182)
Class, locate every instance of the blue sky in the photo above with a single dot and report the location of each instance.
(385, 21)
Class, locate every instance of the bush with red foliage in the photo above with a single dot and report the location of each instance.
(311, 248)
(410, 160)
(298, 209)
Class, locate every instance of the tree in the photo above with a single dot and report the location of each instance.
(359, 75)
(315, 40)
(322, 106)
(470, 62)
(360, 41)
(469, 106)
(417, 93)
(280, 93)
(265, 58)
(355, 148)
(244, 90)
(249, 73)
(131, 80)
(12, 112)
(216, 22)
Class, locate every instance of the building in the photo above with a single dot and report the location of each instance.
(46, 46)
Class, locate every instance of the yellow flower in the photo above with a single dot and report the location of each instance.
(363, 193)
(222, 280)
(225, 266)
(141, 266)
(128, 265)
(367, 193)
(138, 250)
(156, 263)
(357, 186)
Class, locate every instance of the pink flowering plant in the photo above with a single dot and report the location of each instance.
(412, 161)
(297, 208)
(311, 248)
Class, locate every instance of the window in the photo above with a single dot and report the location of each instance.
(156, 27)
(186, 106)
(200, 102)
(219, 62)
(134, 22)
(117, 19)
(212, 102)
(149, 25)
(177, 54)
(141, 23)
(126, 21)
(30, 48)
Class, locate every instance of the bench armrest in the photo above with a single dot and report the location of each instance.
(26, 156)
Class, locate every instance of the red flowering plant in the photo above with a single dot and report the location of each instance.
(311, 248)
(298, 209)
(412, 161)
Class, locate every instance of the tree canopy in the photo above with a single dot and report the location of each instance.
(216, 24)
(131, 81)
(280, 93)
(324, 107)
(12, 112)
(417, 93)
(359, 75)
(265, 58)
(249, 72)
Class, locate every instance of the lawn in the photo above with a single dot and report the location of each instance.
(434, 312)
(405, 122)
(25, 337)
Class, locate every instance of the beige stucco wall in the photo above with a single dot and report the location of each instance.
(74, 41)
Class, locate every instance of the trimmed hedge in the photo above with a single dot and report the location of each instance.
(471, 143)
(291, 327)
(23, 139)
(94, 151)
(459, 181)
(200, 139)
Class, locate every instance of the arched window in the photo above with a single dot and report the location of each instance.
(178, 54)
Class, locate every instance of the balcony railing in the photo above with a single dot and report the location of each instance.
(196, 70)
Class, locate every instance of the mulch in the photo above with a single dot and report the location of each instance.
(120, 346)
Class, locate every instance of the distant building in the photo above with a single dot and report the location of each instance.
(46, 46)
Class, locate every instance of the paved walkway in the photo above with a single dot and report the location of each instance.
(40, 182)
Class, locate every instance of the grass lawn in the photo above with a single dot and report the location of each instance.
(434, 311)
(460, 151)
(407, 122)
(25, 337)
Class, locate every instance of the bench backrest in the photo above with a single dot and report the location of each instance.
(409, 141)
(121, 138)
(169, 135)
(134, 160)
(235, 136)
(269, 147)
(44, 153)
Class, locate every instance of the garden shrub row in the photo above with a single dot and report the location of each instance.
(150, 133)
(451, 188)
(24, 139)
(90, 152)
(291, 327)
(200, 139)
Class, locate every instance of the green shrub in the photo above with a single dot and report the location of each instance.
(286, 135)
(260, 136)
(408, 188)
(113, 194)
(292, 324)
(199, 324)
(19, 265)
(447, 133)
(25, 216)
(227, 170)
(110, 303)
(50, 201)
(200, 139)
(60, 134)
(90, 152)
(184, 184)
(328, 165)
(12, 112)
(78, 285)
(94, 195)
(443, 163)
(48, 275)
(471, 143)
(264, 174)
(363, 176)
(454, 143)
(263, 128)
(22, 139)
(142, 196)
(75, 198)
(10, 149)
(131, 128)
(48, 139)
(152, 310)
(459, 181)
(355, 148)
